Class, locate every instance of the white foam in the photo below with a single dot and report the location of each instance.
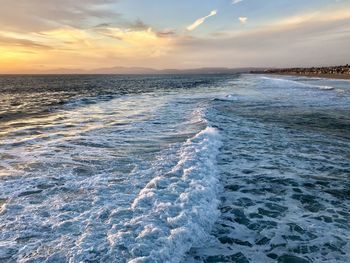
(293, 83)
(101, 192)
(175, 211)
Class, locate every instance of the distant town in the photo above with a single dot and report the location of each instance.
(332, 71)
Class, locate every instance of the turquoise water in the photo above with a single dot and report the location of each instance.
(245, 168)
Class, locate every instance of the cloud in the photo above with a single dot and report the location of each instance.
(166, 33)
(35, 15)
(18, 42)
(70, 47)
(138, 25)
(201, 20)
(317, 16)
(243, 20)
(234, 2)
(320, 39)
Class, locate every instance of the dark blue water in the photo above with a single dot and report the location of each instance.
(245, 168)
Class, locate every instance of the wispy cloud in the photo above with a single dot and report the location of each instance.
(201, 20)
(18, 42)
(36, 15)
(243, 20)
(61, 33)
(284, 42)
(234, 2)
(313, 17)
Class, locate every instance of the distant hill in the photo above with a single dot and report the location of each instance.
(146, 71)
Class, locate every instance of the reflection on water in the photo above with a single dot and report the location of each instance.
(174, 169)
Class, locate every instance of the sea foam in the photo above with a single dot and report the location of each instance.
(175, 211)
(293, 83)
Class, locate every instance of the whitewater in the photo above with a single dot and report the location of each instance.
(187, 168)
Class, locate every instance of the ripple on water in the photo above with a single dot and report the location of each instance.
(285, 191)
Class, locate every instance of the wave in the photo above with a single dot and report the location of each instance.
(175, 211)
(293, 83)
(104, 207)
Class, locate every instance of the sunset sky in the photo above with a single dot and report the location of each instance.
(39, 35)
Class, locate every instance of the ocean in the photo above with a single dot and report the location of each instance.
(188, 168)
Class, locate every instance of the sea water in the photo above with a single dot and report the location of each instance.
(191, 168)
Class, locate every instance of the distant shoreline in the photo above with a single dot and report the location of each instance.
(333, 72)
(327, 76)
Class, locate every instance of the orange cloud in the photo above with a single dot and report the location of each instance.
(83, 48)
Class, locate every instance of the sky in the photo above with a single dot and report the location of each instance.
(41, 35)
